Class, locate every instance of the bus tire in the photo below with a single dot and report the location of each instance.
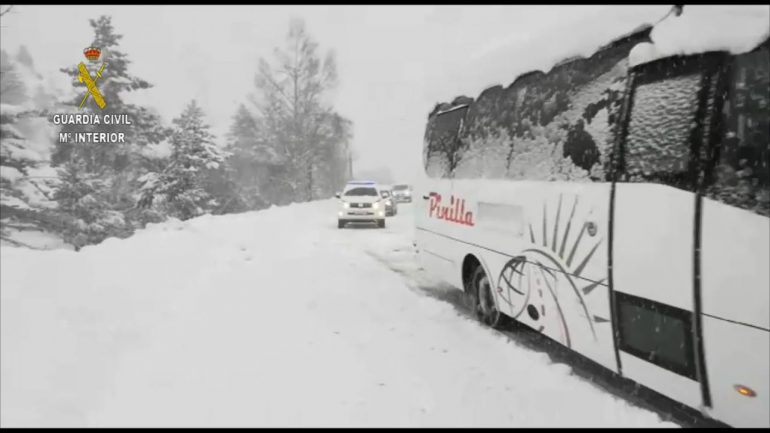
(484, 302)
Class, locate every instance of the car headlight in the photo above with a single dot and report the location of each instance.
(376, 205)
(345, 204)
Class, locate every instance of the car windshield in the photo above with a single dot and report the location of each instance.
(362, 191)
(400, 187)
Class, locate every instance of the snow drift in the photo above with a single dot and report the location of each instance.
(270, 318)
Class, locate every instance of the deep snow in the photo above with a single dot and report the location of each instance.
(271, 318)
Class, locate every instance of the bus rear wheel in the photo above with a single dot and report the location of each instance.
(484, 301)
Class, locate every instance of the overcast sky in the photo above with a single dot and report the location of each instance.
(394, 62)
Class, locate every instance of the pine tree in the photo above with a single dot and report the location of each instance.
(251, 161)
(118, 159)
(119, 165)
(27, 183)
(22, 190)
(184, 187)
(82, 199)
(13, 165)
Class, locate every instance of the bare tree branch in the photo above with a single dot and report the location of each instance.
(267, 76)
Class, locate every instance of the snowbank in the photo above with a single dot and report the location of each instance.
(269, 318)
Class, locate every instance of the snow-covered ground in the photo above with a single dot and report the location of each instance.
(271, 318)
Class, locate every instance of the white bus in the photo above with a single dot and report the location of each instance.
(619, 205)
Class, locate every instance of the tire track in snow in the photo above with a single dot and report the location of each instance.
(403, 261)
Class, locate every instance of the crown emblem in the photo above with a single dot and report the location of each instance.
(92, 53)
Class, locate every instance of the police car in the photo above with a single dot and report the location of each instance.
(361, 202)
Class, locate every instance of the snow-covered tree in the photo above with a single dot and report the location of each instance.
(82, 198)
(13, 163)
(122, 161)
(26, 179)
(251, 161)
(118, 166)
(184, 187)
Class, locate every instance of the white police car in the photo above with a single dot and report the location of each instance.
(361, 201)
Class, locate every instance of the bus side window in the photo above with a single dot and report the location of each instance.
(483, 142)
(658, 142)
(742, 174)
(442, 142)
(436, 164)
(658, 333)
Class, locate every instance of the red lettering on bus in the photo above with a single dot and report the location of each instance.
(455, 212)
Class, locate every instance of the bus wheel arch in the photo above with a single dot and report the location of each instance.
(478, 289)
(470, 263)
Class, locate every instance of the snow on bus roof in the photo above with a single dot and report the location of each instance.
(583, 37)
(703, 28)
(556, 45)
(733, 28)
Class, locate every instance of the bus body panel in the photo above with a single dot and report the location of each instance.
(434, 250)
(653, 243)
(569, 222)
(735, 303)
(545, 249)
(670, 384)
(735, 258)
(737, 355)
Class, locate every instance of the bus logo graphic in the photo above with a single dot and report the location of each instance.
(547, 275)
(92, 54)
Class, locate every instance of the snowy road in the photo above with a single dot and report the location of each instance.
(272, 318)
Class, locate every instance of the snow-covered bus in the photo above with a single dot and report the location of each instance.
(618, 204)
